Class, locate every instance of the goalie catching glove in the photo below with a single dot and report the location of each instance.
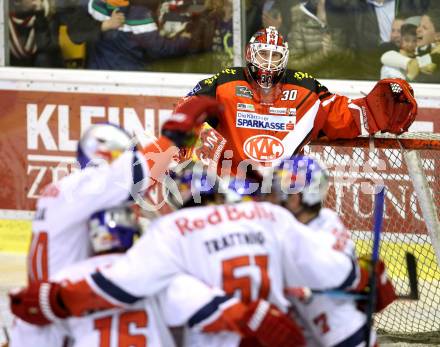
(389, 107)
(384, 288)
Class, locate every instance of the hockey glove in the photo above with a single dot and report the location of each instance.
(389, 107)
(384, 288)
(181, 128)
(270, 326)
(38, 304)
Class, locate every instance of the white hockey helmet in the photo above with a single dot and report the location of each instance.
(104, 141)
(266, 57)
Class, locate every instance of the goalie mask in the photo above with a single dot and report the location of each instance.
(102, 142)
(266, 57)
(113, 230)
(302, 175)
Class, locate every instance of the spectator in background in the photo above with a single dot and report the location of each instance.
(410, 8)
(176, 16)
(81, 26)
(408, 44)
(428, 47)
(33, 39)
(77, 29)
(222, 38)
(396, 25)
(210, 26)
(425, 66)
(271, 16)
(393, 44)
(373, 20)
(217, 35)
(135, 43)
(254, 20)
(314, 45)
(369, 22)
(283, 21)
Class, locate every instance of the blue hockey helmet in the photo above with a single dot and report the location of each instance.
(243, 189)
(114, 229)
(304, 175)
(195, 183)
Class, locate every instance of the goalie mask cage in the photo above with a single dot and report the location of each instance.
(409, 167)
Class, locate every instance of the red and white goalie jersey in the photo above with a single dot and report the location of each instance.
(267, 125)
(265, 131)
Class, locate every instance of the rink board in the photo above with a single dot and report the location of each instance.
(132, 98)
(15, 238)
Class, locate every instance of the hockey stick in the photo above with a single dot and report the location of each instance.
(371, 301)
(361, 296)
(5, 332)
(412, 276)
(370, 297)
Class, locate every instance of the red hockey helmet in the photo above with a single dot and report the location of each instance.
(266, 57)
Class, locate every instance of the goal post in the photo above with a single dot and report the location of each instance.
(409, 167)
(425, 198)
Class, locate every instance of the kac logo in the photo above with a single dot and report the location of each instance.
(263, 148)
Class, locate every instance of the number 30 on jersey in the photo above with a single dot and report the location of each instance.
(289, 95)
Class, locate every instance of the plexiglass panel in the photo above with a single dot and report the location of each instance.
(338, 39)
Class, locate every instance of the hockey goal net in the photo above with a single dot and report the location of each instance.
(410, 170)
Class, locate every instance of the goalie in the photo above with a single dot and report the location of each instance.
(271, 112)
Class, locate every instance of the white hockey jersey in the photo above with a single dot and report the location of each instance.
(332, 321)
(142, 324)
(60, 233)
(243, 248)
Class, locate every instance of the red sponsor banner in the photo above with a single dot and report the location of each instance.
(355, 172)
(40, 130)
